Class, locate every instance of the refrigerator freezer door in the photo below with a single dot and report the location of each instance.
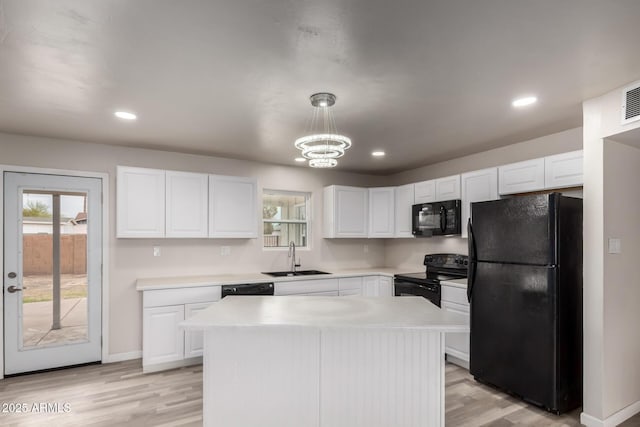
(519, 230)
(513, 330)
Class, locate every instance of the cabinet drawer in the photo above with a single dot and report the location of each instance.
(306, 286)
(454, 294)
(161, 297)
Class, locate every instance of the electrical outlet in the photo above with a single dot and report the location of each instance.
(615, 246)
(156, 251)
(225, 250)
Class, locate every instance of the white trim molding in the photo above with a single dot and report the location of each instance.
(612, 421)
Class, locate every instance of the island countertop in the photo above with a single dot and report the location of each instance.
(319, 311)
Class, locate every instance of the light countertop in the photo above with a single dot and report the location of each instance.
(147, 284)
(318, 311)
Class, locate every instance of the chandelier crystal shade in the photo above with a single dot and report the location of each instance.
(324, 145)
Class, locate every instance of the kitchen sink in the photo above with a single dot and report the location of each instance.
(291, 273)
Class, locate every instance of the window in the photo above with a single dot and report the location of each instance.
(285, 218)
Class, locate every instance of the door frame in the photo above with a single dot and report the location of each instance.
(106, 238)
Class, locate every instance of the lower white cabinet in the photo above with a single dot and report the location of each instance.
(193, 340)
(306, 287)
(350, 286)
(162, 340)
(165, 344)
(454, 300)
(377, 286)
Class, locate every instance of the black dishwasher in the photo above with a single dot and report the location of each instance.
(248, 289)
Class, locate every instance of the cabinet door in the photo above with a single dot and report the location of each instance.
(404, 201)
(477, 186)
(448, 188)
(350, 292)
(563, 170)
(233, 209)
(193, 340)
(162, 339)
(140, 202)
(382, 212)
(425, 191)
(521, 177)
(385, 286)
(350, 284)
(346, 211)
(186, 204)
(457, 343)
(370, 286)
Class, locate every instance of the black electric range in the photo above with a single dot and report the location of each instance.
(426, 284)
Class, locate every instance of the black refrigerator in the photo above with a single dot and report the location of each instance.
(525, 290)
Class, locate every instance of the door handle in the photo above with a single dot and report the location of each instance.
(12, 289)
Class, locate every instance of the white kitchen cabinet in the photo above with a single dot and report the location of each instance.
(563, 170)
(385, 286)
(306, 287)
(448, 188)
(233, 207)
(425, 191)
(193, 340)
(345, 211)
(404, 201)
(350, 286)
(477, 186)
(382, 212)
(165, 345)
(140, 202)
(457, 344)
(521, 177)
(377, 286)
(162, 338)
(187, 197)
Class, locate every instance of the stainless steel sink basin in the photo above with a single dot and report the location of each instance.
(291, 274)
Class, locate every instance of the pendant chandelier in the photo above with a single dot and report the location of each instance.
(323, 145)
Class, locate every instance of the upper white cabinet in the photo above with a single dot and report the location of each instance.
(345, 211)
(404, 195)
(477, 186)
(521, 177)
(563, 170)
(233, 212)
(140, 198)
(186, 204)
(382, 212)
(448, 188)
(425, 191)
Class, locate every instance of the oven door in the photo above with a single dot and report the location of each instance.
(430, 291)
(436, 219)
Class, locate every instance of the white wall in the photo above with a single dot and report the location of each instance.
(622, 291)
(611, 385)
(407, 254)
(133, 258)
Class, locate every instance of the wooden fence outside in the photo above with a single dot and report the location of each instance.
(38, 254)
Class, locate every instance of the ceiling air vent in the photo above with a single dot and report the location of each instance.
(631, 103)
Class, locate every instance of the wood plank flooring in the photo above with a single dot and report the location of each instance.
(118, 394)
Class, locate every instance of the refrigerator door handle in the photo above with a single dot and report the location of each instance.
(472, 261)
(443, 218)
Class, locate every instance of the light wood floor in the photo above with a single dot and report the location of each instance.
(118, 394)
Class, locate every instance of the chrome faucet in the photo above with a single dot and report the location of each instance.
(292, 255)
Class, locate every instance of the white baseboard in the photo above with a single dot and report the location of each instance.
(120, 357)
(612, 421)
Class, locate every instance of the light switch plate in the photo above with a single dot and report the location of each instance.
(615, 246)
(156, 251)
(225, 250)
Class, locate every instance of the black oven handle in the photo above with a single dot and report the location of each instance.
(443, 219)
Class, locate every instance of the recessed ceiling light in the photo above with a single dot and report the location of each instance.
(300, 159)
(125, 115)
(378, 153)
(523, 102)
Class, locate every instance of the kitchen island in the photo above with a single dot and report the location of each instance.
(323, 361)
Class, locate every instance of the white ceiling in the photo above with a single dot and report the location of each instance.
(425, 80)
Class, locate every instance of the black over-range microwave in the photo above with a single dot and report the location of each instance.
(437, 219)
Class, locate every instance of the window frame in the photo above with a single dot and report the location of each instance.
(307, 196)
